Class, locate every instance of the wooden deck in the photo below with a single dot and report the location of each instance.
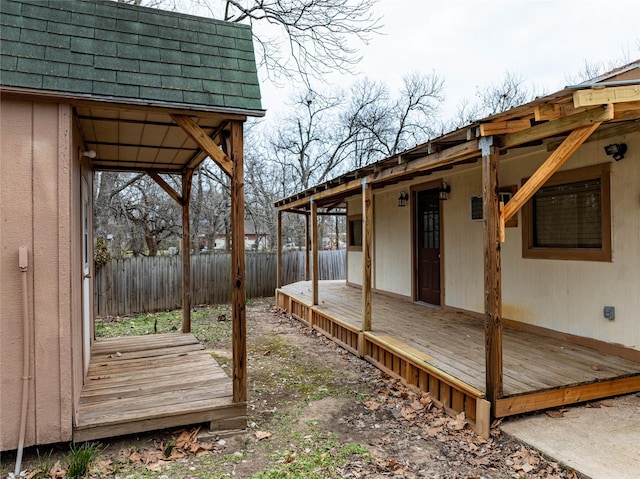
(143, 383)
(442, 352)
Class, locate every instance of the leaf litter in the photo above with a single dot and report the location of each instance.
(406, 433)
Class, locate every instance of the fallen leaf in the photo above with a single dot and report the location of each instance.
(595, 368)
(103, 467)
(407, 413)
(262, 435)
(135, 457)
(458, 423)
(607, 403)
(56, 471)
(372, 405)
(527, 467)
(157, 466)
(554, 414)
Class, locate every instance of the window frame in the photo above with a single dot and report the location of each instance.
(350, 246)
(601, 171)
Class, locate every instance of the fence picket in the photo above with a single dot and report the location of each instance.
(148, 284)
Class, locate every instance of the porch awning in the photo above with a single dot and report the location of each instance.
(613, 100)
(126, 70)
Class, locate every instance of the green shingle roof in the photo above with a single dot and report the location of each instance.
(111, 50)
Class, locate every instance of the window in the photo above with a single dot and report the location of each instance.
(354, 233)
(570, 217)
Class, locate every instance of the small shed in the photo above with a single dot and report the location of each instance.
(87, 86)
(495, 267)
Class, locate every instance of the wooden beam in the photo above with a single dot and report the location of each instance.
(556, 127)
(502, 127)
(187, 178)
(279, 252)
(606, 95)
(463, 151)
(165, 186)
(626, 111)
(553, 111)
(196, 133)
(492, 272)
(238, 278)
(454, 154)
(367, 234)
(547, 169)
(604, 132)
(307, 246)
(314, 250)
(568, 395)
(353, 185)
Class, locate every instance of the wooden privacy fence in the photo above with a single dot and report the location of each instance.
(147, 284)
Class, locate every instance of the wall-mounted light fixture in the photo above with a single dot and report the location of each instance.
(444, 190)
(89, 153)
(402, 199)
(617, 150)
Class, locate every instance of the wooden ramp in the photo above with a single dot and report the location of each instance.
(143, 383)
(442, 352)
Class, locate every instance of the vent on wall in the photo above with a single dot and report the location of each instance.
(476, 204)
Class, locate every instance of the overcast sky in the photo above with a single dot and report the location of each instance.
(473, 43)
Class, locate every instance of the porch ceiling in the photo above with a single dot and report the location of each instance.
(127, 138)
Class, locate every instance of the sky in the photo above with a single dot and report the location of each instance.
(472, 44)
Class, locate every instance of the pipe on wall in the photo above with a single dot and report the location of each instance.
(23, 262)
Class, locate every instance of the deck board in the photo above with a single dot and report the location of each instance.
(455, 341)
(141, 383)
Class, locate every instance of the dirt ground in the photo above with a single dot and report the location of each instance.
(315, 411)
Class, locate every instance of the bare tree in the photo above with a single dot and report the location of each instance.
(152, 215)
(308, 140)
(381, 124)
(512, 90)
(498, 97)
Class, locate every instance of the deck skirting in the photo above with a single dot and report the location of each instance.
(398, 360)
(442, 353)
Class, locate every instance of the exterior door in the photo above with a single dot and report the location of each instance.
(86, 277)
(428, 246)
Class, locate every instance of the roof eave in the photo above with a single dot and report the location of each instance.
(132, 101)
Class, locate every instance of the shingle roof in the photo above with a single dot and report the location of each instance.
(112, 50)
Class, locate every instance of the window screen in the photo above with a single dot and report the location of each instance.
(568, 215)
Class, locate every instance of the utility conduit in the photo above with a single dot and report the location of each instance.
(23, 262)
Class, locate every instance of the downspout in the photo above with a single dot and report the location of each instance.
(23, 262)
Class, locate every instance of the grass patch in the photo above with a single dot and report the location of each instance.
(288, 369)
(210, 324)
(80, 458)
(315, 456)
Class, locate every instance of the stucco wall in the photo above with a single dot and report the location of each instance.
(36, 209)
(567, 296)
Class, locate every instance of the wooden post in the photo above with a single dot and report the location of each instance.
(314, 249)
(279, 252)
(187, 177)
(367, 233)
(492, 270)
(238, 288)
(307, 247)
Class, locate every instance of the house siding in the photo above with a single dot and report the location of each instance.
(566, 296)
(36, 212)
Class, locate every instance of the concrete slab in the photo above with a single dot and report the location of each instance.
(599, 442)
